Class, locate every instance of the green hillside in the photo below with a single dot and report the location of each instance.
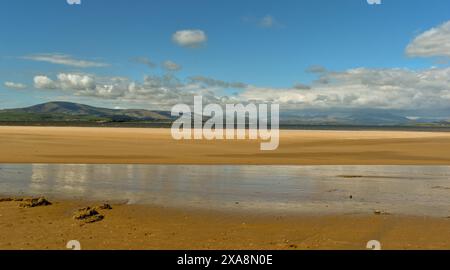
(73, 112)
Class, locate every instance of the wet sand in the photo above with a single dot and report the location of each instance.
(156, 146)
(151, 227)
(402, 190)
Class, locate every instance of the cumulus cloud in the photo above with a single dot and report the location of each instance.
(64, 59)
(171, 66)
(44, 82)
(432, 43)
(15, 86)
(85, 85)
(76, 82)
(365, 88)
(394, 88)
(157, 90)
(189, 38)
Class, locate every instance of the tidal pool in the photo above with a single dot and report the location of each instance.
(407, 190)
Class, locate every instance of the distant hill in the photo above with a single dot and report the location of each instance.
(74, 112)
(343, 117)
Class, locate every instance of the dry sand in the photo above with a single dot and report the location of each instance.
(149, 227)
(156, 146)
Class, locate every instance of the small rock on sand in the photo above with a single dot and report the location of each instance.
(34, 202)
(88, 215)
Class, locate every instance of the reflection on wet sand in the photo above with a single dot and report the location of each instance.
(407, 190)
(66, 179)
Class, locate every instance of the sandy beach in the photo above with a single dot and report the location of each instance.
(156, 146)
(149, 227)
(160, 227)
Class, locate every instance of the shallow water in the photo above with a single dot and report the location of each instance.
(409, 190)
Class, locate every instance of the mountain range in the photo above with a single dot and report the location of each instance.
(73, 113)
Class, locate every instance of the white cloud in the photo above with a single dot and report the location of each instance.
(64, 59)
(189, 38)
(15, 86)
(163, 90)
(365, 88)
(44, 82)
(354, 88)
(85, 85)
(76, 82)
(171, 66)
(432, 43)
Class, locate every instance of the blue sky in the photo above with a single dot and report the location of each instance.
(267, 45)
